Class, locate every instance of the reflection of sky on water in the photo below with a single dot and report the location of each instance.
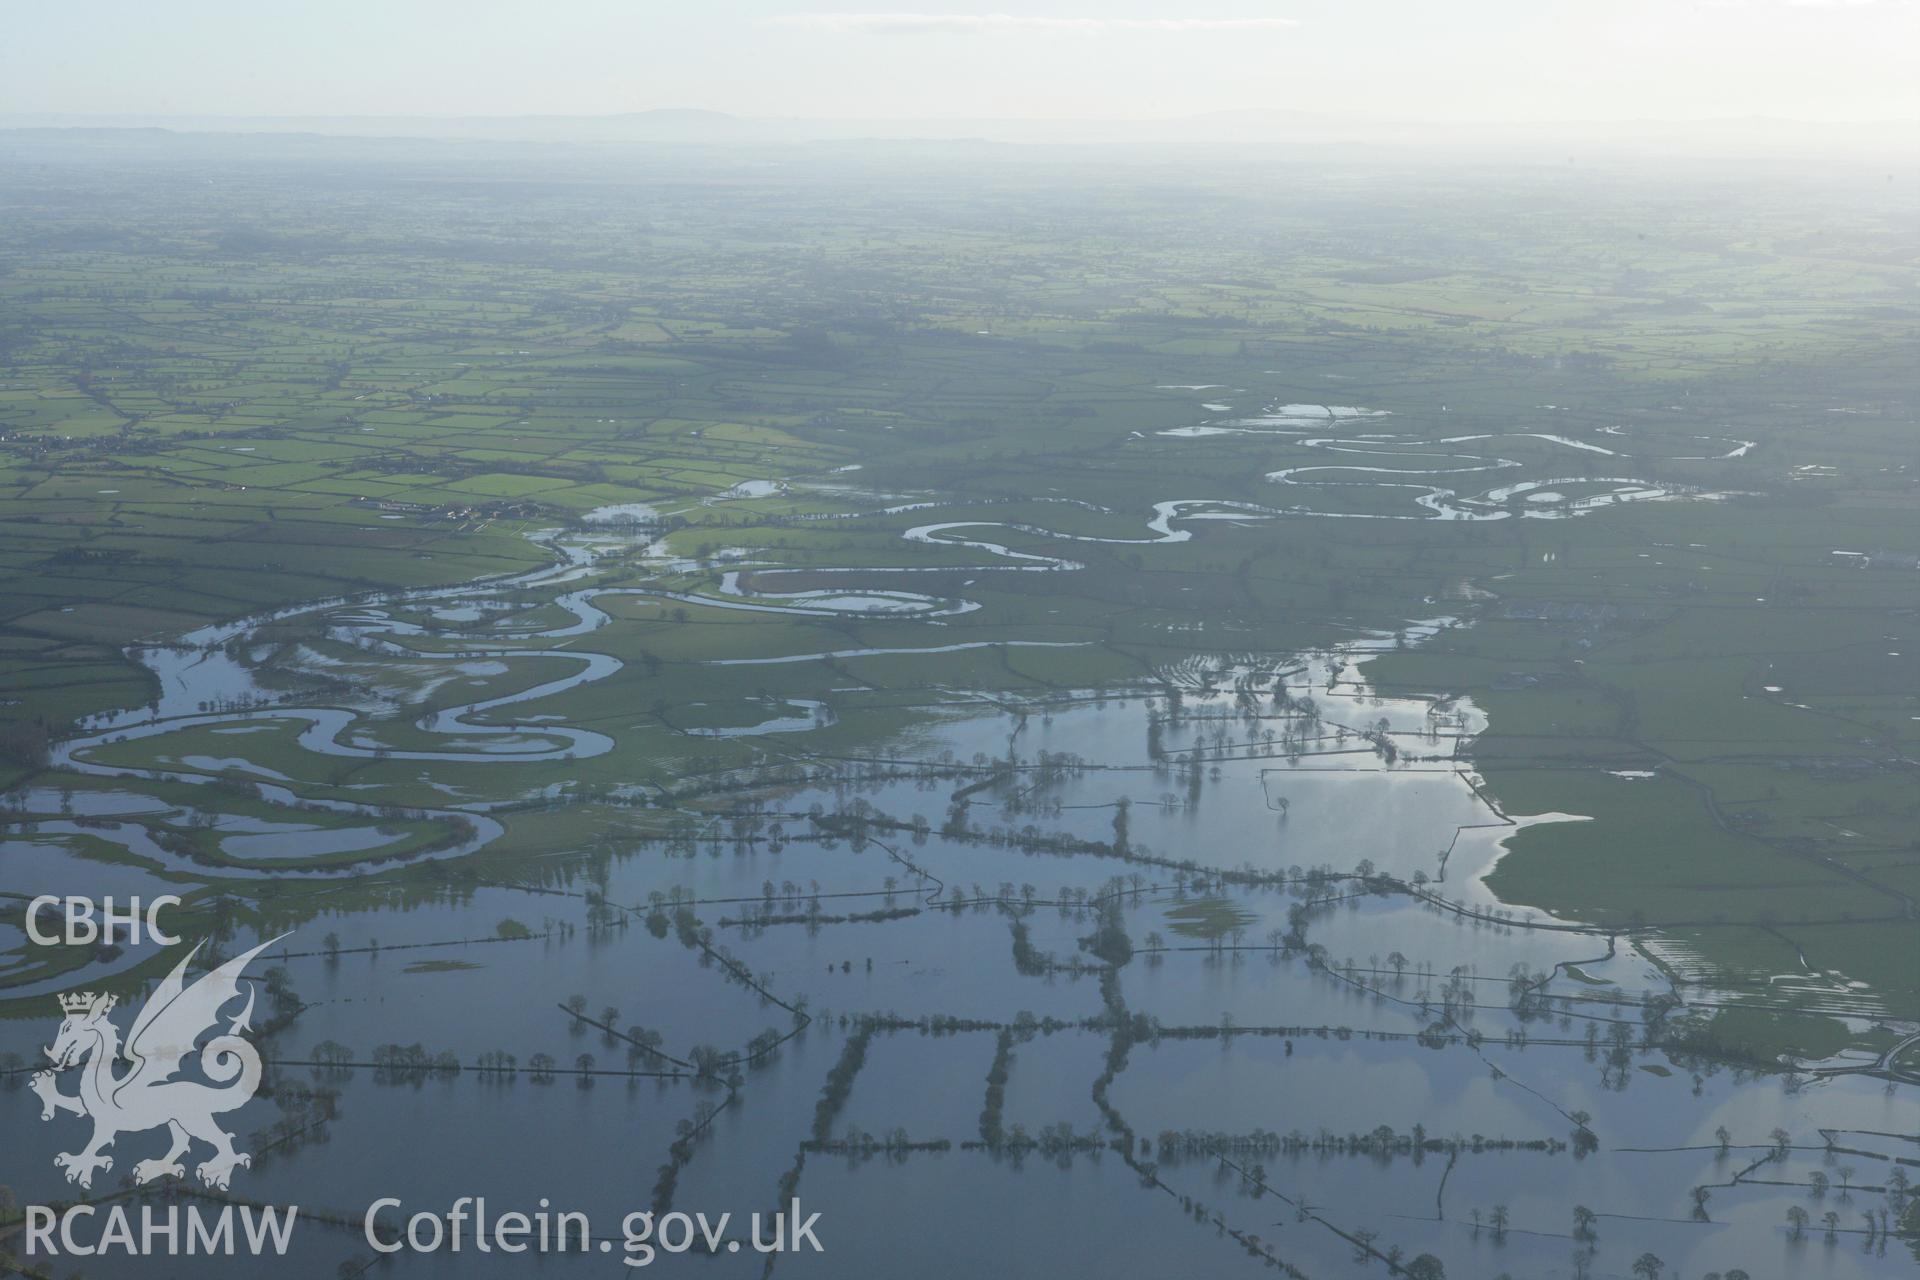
(601, 1148)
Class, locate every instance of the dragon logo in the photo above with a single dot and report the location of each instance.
(151, 1093)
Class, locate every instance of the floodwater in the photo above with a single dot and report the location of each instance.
(1283, 1061)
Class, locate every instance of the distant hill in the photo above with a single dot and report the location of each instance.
(698, 127)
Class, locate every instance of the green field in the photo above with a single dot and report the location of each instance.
(208, 411)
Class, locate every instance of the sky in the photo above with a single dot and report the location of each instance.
(1438, 60)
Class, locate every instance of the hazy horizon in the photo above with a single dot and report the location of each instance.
(1494, 62)
(1272, 640)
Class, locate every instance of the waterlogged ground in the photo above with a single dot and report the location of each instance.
(1190, 971)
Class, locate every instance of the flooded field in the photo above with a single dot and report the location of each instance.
(1219, 943)
(1312, 722)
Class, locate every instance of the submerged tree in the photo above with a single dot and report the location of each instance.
(1426, 1267)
